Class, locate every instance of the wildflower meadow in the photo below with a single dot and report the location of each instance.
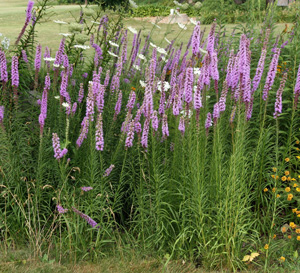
(186, 150)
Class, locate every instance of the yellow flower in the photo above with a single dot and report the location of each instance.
(297, 212)
(292, 225)
(294, 210)
(298, 156)
(289, 236)
(282, 259)
(274, 189)
(290, 197)
(286, 172)
(278, 195)
(297, 149)
(297, 142)
(283, 178)
(298, 189)
(274, 169)
(287, 189)
(273, 176)
(298, 215)
(298, 230)
(288, 179)
(287, 159)
(295, 185)
(274, 236)
(265, 189)
(266, 246)
(298, 238)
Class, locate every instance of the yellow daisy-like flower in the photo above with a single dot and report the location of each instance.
(297, 149)
(298, 215)
(273, 176)
(274, 236)
(289, 236)
(292, 225)
(266, 247)
(295, 185)
(283, 178)
(274, 189)
(265, 189)
(298, 238)
(293, 179)
(287, 189)
(282, 259)
(278, 195)
(290, 197)
(286, 172)
(298, 189)
(297, 212)
(297, 142)
(288, 179)
(294, 210)
(298, 156)
(298, 230)
(274, 169)
(287, 159)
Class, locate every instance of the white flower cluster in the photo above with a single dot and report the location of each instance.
(82, 46)
(5, 42)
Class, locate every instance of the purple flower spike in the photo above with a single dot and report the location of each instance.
(297, 88)
(181, 126)
(1, 113)
(14, 71)
(259, 71)
(24, 56)
(208, 122)
(99, 134)
(144, 140)
(80, 93)
(188, 85)
(108, 170)
(86, 188)
(84, 131)
(43, 113)
(216, 112)
(58, 153)
(27, 20)
(165, 129)
(271, 74)
(278, 102)
(154, 121)
(38, 55)
(118, 105)
(3, 67)
(60, 209)
(196, 39)
(89, 220)
(130, 135)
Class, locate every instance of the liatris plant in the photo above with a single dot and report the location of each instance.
(15, 76)
(89, 220)
(58, 153)
(27, 20)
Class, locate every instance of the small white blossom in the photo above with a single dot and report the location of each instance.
(112, 54)
(49, 59)
(193, 21)
(161, 50)
(60, 22)
(65, 34)
(153, 45)
(66, 105)
(197, 71)
(56, 65)
(56, 97)
(155, 25)
(95, 22)
(81, 46)
(184, 113)
(5, 43)
(182, 26)
(142, 83)
(177, 3)
(133, 4)
(113, 44)
(167, 41)
(141, 56)
(167, 86)
(133, 30)
(202, 50)
(136, 67)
